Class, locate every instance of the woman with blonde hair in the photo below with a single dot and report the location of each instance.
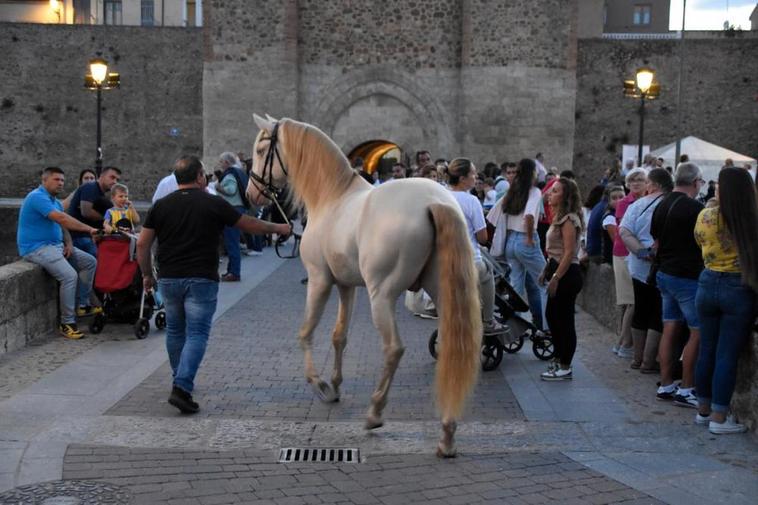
(563, 275)
(726, 295)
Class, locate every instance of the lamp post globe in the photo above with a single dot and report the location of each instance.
(644, 82)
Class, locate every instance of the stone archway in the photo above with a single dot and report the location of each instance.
(366, 99)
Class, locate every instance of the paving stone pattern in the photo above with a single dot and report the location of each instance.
(254, 369)
(212, 477)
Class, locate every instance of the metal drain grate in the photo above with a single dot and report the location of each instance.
(319, 455)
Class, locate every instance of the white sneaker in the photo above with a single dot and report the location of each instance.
(729, 426)
(702, 420)
(556, 374)
(615, 349)
(493, 328)
(625, 352)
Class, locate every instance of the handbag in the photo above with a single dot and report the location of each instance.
(550, 268)
(652, 275)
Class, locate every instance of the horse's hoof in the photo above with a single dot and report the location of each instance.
(373, 423)
(446, 453)
(324, 392)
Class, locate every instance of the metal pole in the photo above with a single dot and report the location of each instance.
(99, 155)
(642, 129)
(678, 150)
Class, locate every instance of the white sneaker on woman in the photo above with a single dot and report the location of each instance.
(728, 427)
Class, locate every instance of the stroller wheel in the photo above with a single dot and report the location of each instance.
(141, 328)
(491, 357)
(160, 320)
(515, 346)
(433, 344)
(543, 348)
(97, 324)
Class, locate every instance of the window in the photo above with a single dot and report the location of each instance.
(642, 14)
(191, 17)
(148, 12)
(82, 12)
(112, 12)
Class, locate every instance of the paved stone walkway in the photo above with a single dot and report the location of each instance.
(87, 422)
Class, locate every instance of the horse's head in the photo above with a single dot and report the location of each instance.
(268, 173)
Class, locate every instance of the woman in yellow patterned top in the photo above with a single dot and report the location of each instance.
(726, 296)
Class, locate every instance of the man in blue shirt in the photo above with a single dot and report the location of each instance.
(43, 238)
(89, 205)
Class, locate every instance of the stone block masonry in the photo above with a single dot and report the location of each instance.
(48, 118)
(718, 97)
(30, 304)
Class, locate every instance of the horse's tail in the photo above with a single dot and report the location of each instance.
(460, 320)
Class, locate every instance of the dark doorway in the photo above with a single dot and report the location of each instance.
(377, 154)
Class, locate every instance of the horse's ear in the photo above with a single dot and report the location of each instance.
(263, 124)
(270, 118)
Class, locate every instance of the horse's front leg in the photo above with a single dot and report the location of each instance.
(318, 294)
(339, 336)
(383, 314)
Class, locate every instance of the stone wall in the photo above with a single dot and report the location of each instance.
(489, 80)
(8, 225)
(30, 304)
(48, 118)
(719, 97)
(598, 298)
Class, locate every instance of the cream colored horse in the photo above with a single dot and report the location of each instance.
(402, 235)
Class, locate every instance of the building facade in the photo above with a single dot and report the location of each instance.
(104, 12)
(636, 16)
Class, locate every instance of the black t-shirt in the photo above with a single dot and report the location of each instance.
(89, 192)
(188, 224)
(678, 253)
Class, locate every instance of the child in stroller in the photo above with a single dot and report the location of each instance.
(517, 329)
(119, 281)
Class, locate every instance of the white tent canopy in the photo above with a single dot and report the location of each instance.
(709, 157)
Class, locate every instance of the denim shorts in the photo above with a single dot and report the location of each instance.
(678, 295)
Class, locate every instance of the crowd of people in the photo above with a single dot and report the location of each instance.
(685, 273)
(684, 255)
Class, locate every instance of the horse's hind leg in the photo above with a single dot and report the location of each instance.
(339, 336)
(318, 294)
(383, 314)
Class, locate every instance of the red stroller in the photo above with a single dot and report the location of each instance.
(119, 281)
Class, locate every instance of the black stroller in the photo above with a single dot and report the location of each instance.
(517, 329)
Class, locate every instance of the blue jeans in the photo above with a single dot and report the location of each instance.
(726, 310)
(190, 303)
(85, 244)
(232, 245)
(75, 272)
(678, 297)
(522, 260)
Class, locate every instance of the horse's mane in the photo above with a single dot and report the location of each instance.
(318, 170)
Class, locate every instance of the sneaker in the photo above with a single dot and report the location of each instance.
(666, 393)
(702, 420)
(426, 315)
(493, 328)
(729, 426)
(88, 311)
(687, 399)
(625, 352)
(230, 278)
(615, 349)
(556, 374)
(70, 331)
(182, 400)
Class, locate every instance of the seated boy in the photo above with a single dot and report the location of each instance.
(122, 216)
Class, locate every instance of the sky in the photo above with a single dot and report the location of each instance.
(711, 14)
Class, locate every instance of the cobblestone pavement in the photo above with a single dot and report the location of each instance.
(244, 476)
(600, 439)
(253, 367)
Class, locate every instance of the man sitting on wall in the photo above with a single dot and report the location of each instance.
(43, 238)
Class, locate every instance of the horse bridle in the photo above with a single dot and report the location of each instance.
(269, 190)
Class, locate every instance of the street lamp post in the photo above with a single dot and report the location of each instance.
(100, 79)
(643, 87)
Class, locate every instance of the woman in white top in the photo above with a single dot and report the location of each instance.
(462, 178)
(515, 219)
